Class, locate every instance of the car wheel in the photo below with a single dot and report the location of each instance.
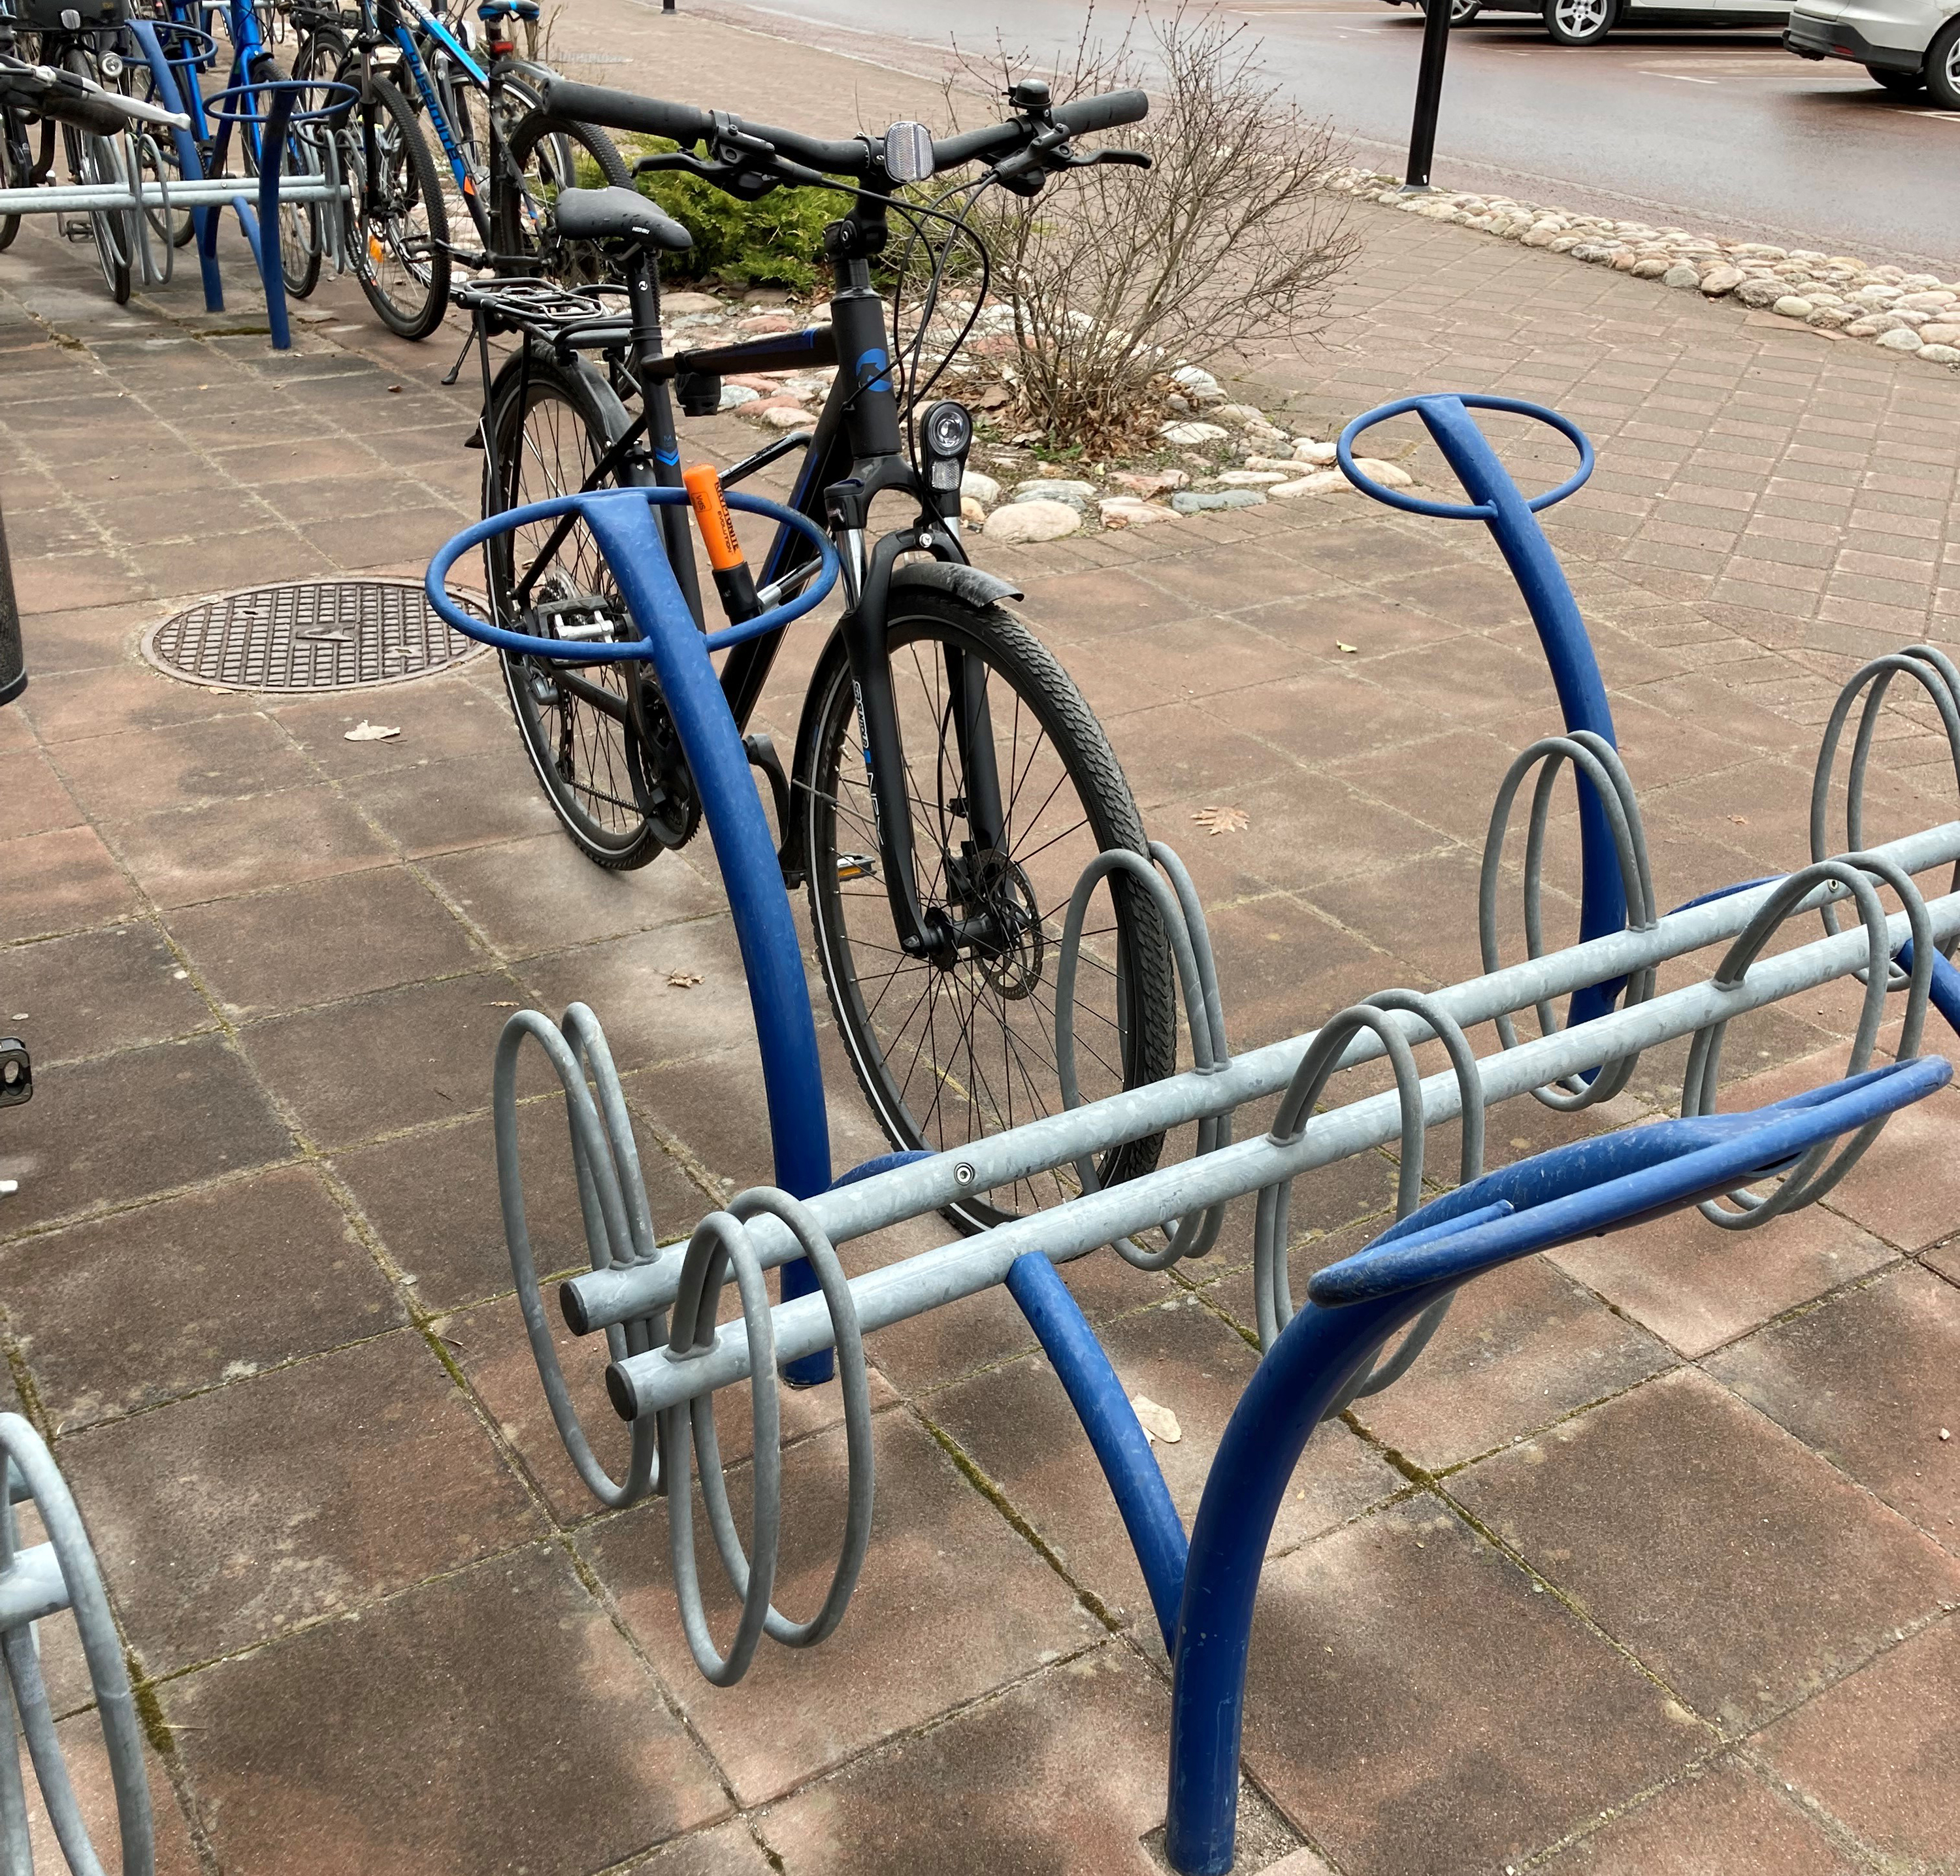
(1943, 67)
(1578, 22)
(1900, 83)
(1461, 12)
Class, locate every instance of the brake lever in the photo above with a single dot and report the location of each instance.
(1133, 159)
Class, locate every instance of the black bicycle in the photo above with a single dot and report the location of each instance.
(949, 783)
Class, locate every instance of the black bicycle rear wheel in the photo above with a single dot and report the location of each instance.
(553, 424)
(400, 231)
(949, 1052)
(544, 154)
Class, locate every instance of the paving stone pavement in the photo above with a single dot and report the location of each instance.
(1651, 1567)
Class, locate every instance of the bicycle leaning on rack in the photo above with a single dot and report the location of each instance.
(949, 783)
(507, 159)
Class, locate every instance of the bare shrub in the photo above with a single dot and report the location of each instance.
(1116, 276)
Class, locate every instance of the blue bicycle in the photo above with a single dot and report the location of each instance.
(507, 157)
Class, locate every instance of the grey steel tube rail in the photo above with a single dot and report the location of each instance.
(216, 192)
(598, 1299)
(646, 1383)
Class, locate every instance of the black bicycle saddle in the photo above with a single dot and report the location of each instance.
(617, 215)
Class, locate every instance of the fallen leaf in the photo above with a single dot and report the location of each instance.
(1223, 820)
(1741, 821)
(1158, 1423)
(500, 1006)
(366, 732)
(1340, 646)
(393, 388)
(683, 979)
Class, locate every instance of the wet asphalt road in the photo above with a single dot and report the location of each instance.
(1718, 130)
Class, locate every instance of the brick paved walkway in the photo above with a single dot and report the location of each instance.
(1649, 1567)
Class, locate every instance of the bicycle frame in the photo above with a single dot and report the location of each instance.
(409, 18)
(855, 454)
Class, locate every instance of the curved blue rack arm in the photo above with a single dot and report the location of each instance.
(1203, 1591)
(622, 522)
(1580, 1190)
(1497, 501)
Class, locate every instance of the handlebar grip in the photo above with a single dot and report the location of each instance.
(1103, 112)
(625, 110)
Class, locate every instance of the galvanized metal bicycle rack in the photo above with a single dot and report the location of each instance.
(35, 1583)
(657, 1309)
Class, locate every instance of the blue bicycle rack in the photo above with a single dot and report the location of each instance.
(621, 523)
(668, 1355)
(1511, 518)
(174, 70)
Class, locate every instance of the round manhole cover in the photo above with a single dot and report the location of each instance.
(312, 635)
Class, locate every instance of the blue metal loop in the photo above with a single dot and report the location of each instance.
(188, 54)
(529, 646)
(292, 87)
(1344, 451)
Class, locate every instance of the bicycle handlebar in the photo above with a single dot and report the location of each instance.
(859, 156)
(68, 96)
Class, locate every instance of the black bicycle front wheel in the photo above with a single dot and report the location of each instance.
(551, 425)
(401, 226)
(949, 1051)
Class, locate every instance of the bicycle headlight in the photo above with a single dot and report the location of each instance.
(946, 434)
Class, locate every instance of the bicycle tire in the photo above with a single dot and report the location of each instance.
(590, 762)
(421, 261)
(1126, 1002)
(94, 159)
(540, 142)
(13, 174)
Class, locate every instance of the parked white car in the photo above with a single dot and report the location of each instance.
(1907, 45)
(1587, 22)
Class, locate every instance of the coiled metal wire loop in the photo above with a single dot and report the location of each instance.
(1811, 1178)
(720, 1245)
(1597, 761)
(30, 1472)
(1271, 1284)
(612, 1202)
(1183, 916)
(1936, 673)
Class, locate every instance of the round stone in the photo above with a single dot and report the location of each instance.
(1250, 478)
(982, 489)
(1681, 275)
(1321, 482)
(1191, 436)
(1719, 280)
(1650, 267)
(1078, 495)
(1129, 510)
(1793, 306)
(1941, 355)
(1022, 522)
(1900, 338)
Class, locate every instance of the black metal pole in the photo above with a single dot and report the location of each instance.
(1428, 92)
(13, 660)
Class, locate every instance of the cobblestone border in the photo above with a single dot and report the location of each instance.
(1915, 312)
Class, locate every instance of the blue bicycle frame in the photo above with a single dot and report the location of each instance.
(401, 23)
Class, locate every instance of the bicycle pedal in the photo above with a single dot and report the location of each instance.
(856, 866)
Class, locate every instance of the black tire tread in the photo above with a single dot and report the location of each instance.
(1031, 664)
